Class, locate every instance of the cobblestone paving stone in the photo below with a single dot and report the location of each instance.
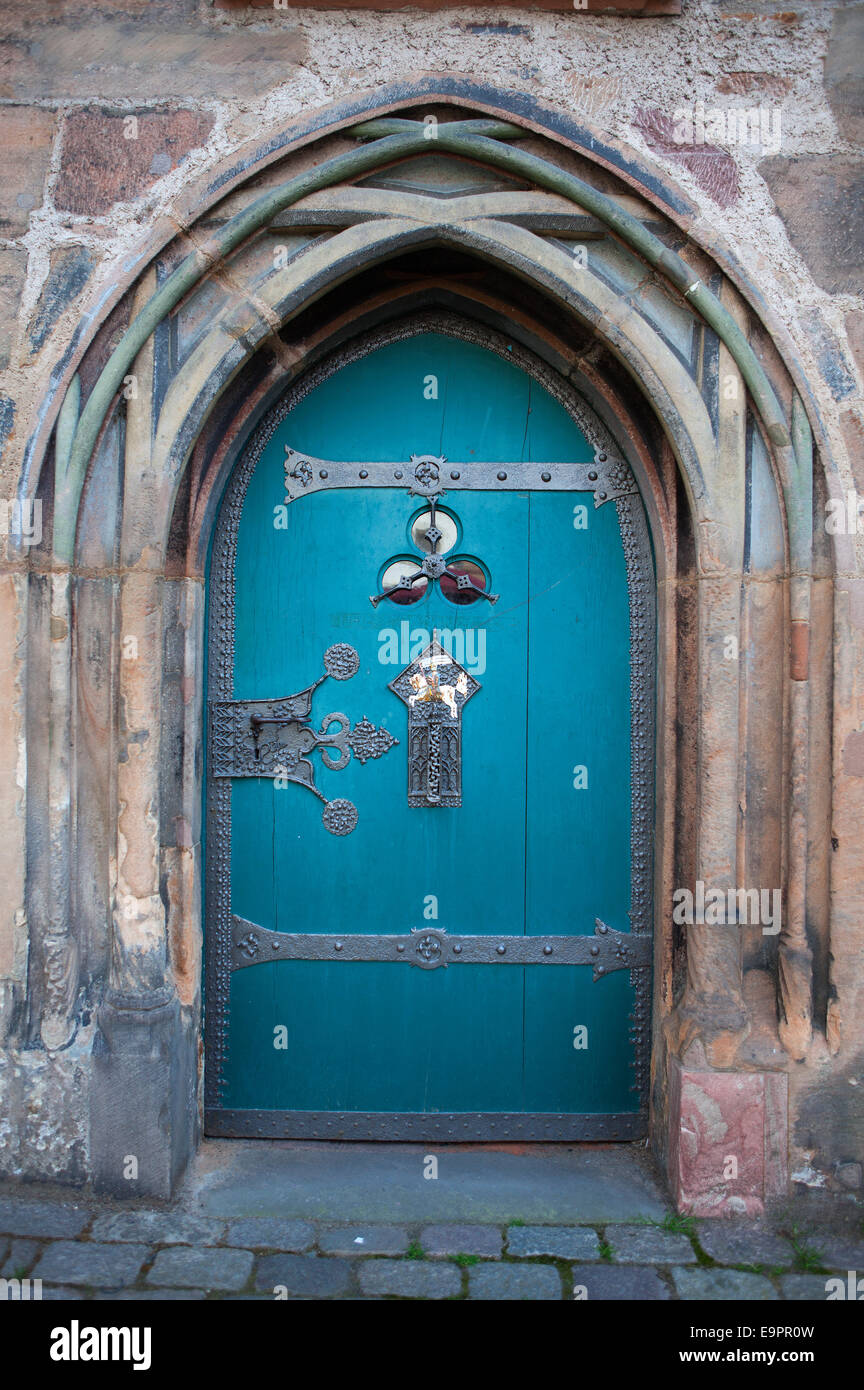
(522, 1281)
(724, 1284)
(838, 1254)
(201, 1267)
(809, 1287)
(304, 1276)
(564, 1242)
(88, 1262)
(735, 1243)
(411, 1278)
(20, 1257)
(643, 1245)
(81, 1253)
(603, 1282)
(363, 1240)
(267, 1233)
(53, 1220)
(158, 1228)
(462, 1240)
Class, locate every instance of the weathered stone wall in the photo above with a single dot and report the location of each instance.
(113, 120)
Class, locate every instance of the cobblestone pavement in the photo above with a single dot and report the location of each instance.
(81, 1251)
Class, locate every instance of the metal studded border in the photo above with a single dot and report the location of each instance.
(446, 1127)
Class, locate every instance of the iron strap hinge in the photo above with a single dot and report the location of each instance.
(431, 947)
(606, 476)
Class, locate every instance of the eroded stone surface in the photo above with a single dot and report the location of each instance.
(810, 194)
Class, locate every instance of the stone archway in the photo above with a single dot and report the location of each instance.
(131, 522)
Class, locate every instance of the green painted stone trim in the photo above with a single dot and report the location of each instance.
(477, 140)
(394, 125)
(800, 502)
(198, 262)
(67, 483)
(647, 245)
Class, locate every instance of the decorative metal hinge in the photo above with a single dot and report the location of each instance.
(272, 738)
(426, 475)
(431, 948)
(436, 689)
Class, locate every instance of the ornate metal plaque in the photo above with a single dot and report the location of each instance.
(272, 738)
(436, 689)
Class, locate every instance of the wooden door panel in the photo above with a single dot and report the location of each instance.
(531, 851)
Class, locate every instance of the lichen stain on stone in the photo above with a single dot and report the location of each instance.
(715, 1127)
(140, 922)
(138, 835)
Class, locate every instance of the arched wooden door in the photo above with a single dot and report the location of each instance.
(431, 645)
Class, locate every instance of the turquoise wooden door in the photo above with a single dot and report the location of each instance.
(402, 915)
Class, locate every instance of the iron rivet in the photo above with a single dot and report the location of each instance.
(275, 945)
(455, 476)
(323, 473)
(603, 928)
(502, 950)
(457, 950)
(602, 496)
(397, 476)
(502, 477)
(547, 950)
(595, 950)
(337, 945)
(592, 477)
(601, 458)
(601, 970)
(363, 473)
(546, 477)
(400, 949)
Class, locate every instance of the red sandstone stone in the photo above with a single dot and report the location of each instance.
(107, 159)
(713, 168)
(26, 133)
(721, 1117)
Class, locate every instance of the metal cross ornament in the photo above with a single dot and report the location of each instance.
(436, 689)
